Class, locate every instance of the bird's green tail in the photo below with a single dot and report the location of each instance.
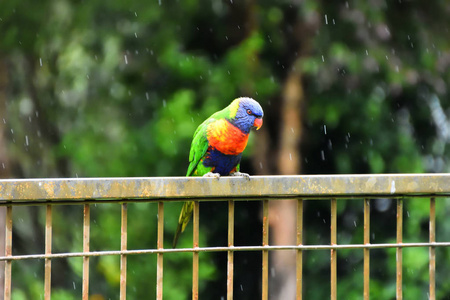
(183, 220)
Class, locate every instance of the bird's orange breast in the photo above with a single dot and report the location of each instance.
(226, 138)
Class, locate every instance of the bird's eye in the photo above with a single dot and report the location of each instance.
(249, 111)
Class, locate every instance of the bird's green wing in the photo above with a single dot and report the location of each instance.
(199, 147)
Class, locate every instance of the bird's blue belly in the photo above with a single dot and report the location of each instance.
(222, 164)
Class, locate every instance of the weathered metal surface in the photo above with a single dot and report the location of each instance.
(123, 247)
(86, 245)
(399, 255)
(48, 250)
(230, 254)
(195, 242)
(432, 250)
(366, 292)
(299, 255)
(8, 253)
(333, 256)
(224, 249)
(160, 258)
(312, 186)
(265, 252)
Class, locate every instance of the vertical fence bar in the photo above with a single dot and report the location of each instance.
(265, 253)
(333, 258)
(230, 258)
(299, 257)
(399, 268)
(86, 241)
(366, 250)
(8, 252)
(48, 250)
(123, 257)
(195, 253)
(432, 250)
(160, 245)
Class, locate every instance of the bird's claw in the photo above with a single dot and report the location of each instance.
(211, 174)
(239, 174)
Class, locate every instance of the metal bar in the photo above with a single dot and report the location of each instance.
(299, 257)
(224, 249)
(86, 245)
(8, 253)
(265, 252)
(48, 250)
(277, 187)
(123, 257)
(399, 267)
(160, 245)
(432, 250)
(230, 257)
(195, 242)
(333, 251)
(366, 293)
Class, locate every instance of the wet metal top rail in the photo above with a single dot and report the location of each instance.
(85, 191)
(258, 187)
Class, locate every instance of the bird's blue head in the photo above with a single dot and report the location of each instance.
(246, 113)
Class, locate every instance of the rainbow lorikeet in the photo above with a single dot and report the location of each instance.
(217, 146)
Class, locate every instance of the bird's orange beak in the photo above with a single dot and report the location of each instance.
(258, 123)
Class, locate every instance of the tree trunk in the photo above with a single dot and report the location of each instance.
(282, 214)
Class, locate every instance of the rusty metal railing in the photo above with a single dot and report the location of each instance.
(50, 192)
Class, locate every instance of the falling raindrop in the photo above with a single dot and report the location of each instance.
(322, 154)
(242, 288)
(40, 61)
(260, 165)
(326, 19)
(74, 287)
(26, 140)
(325, 129)
(126, 59)
(147, 96)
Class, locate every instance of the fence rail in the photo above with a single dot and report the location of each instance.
(86, 191)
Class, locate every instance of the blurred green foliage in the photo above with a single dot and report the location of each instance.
(117, 89)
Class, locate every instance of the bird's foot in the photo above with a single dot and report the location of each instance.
(211, 174)
(239, 174)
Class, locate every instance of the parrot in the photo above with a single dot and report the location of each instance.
(217, 146)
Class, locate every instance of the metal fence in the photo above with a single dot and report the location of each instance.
(50, 192)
